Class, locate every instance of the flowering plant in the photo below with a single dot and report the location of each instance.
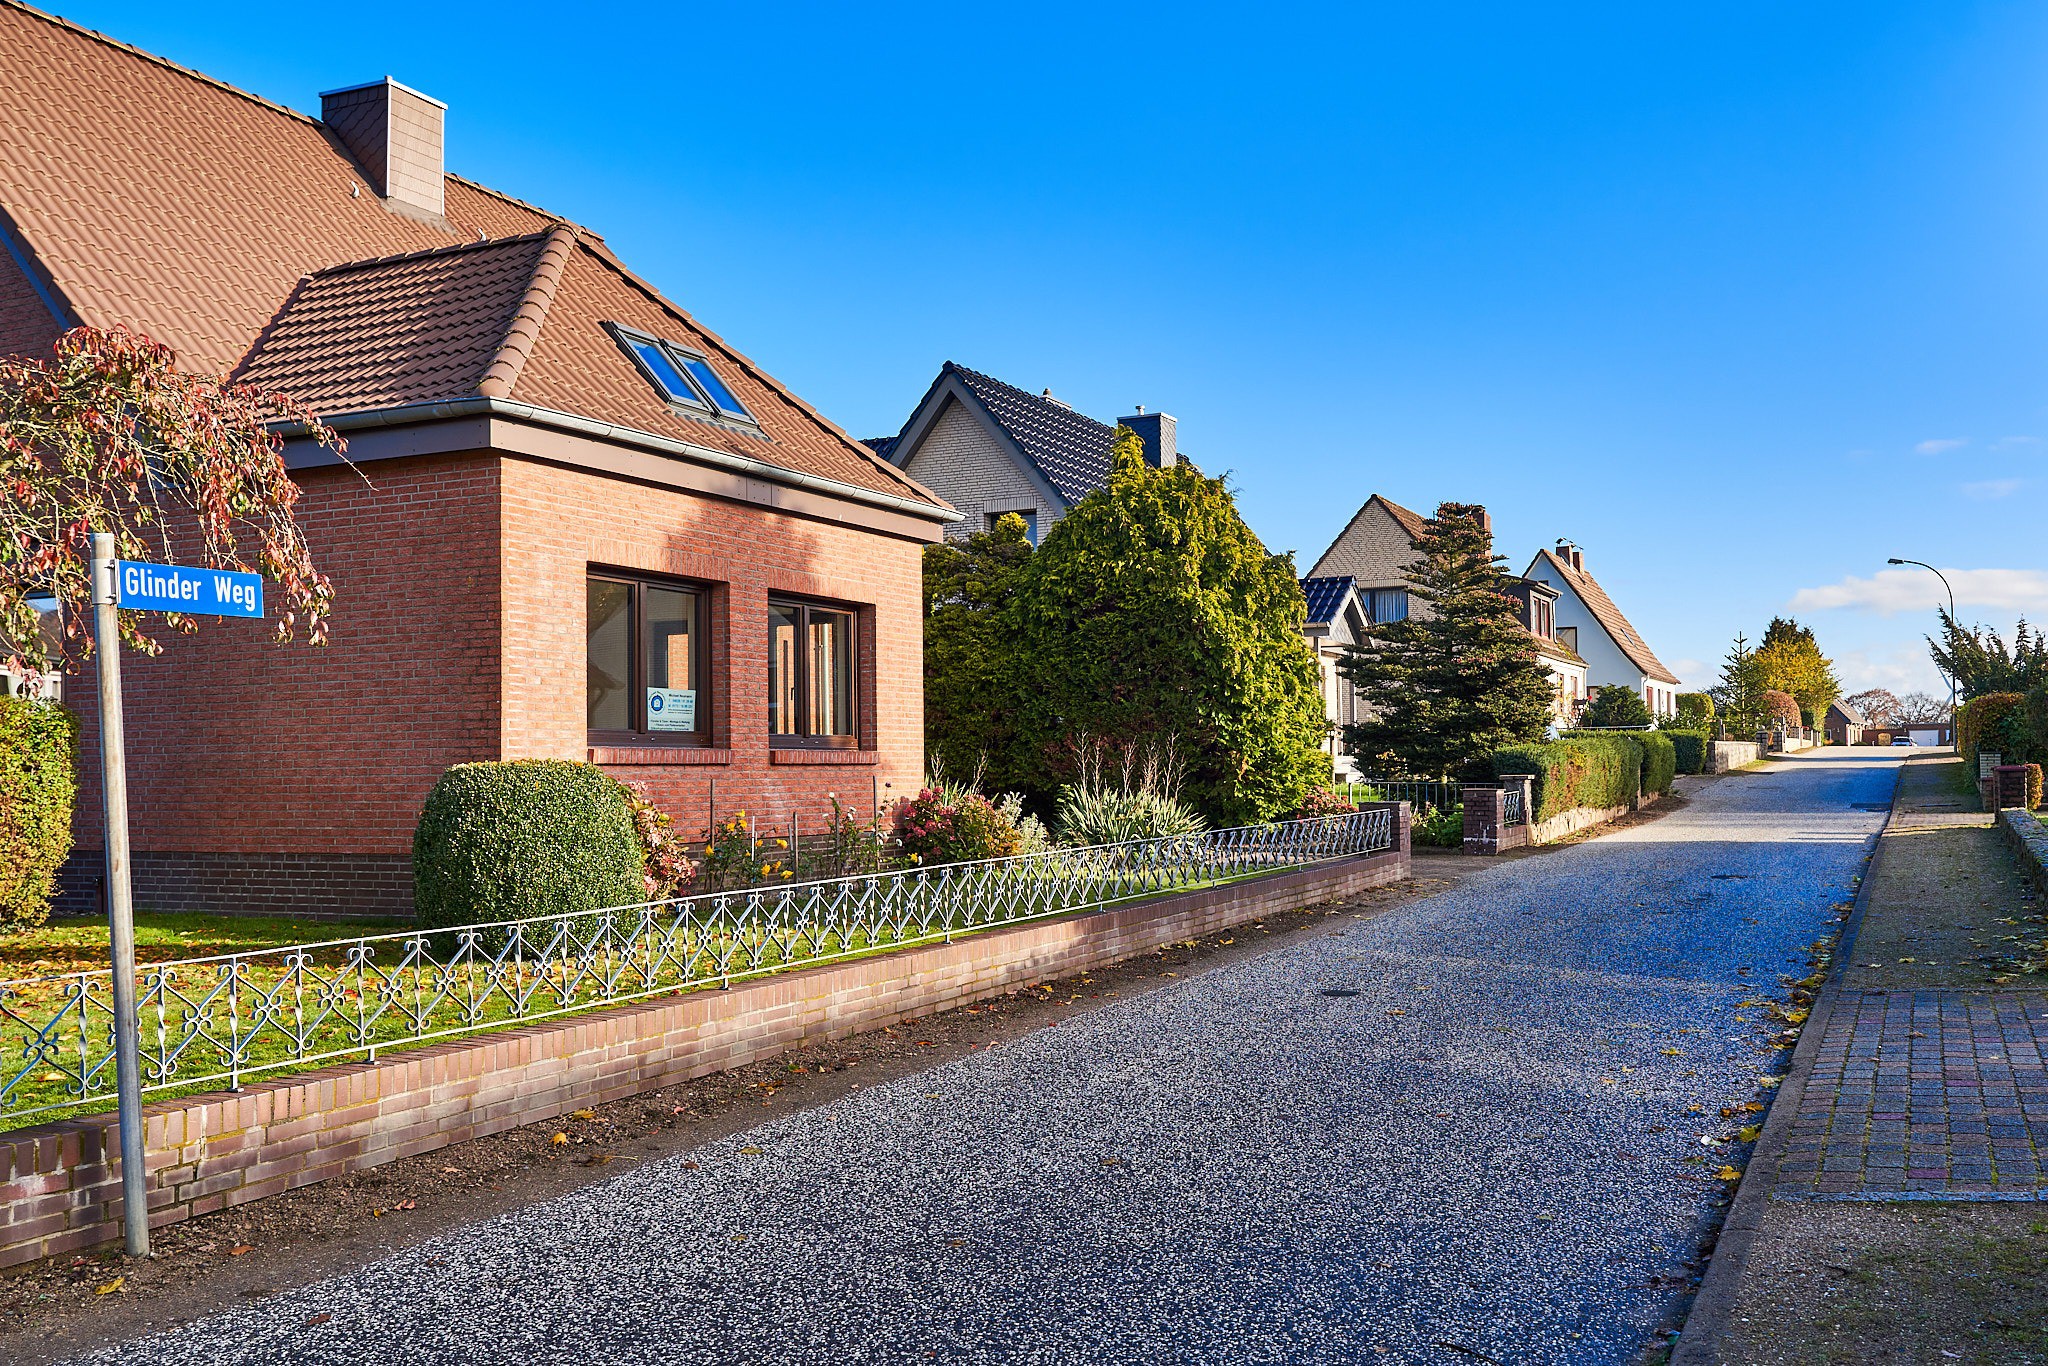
(930, 829)
(1323, 801)
(736, 856)
(667, 867)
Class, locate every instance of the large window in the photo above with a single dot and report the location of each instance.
(646, 660)
(1388, 604)
(811, 670)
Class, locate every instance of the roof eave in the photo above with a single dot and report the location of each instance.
(409, 414)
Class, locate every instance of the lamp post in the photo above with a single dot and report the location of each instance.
(1951, 616)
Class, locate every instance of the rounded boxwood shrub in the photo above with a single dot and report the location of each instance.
(528, 837)
(38, 784)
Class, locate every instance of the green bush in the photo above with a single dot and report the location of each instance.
(1109, 816)
(38, 784)
(532, 837)
(1615, 705)
(1660, 761)
(1577, 770)
(1690, 749)
(1695, 709)
(1441, 828)
(1980, 720)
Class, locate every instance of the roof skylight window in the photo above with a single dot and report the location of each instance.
(685, 377)
(714, 387)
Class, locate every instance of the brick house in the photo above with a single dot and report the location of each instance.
(1591, 626)
(989, 448)
(1371, 557)
(581, 525)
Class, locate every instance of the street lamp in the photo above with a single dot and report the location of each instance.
(1951, 616)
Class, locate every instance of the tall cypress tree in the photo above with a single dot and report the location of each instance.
(1461, 677)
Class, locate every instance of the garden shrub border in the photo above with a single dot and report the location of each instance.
(38, 789)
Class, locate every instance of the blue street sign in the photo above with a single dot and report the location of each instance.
(199, 592)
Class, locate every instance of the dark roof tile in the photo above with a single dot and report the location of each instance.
(1325, 597)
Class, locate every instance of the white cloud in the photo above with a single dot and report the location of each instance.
(1903, 669)
(2014, 443)
(1915, 590)
(1993, 488)
(1941, 445)
(1693, 670)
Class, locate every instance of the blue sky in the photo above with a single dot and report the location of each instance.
(1742, 298)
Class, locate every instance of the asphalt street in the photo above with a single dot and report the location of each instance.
(1455, 1133)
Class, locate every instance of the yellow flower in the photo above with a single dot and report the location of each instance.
(765, 870)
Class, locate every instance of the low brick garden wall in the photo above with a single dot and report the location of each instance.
(2029, 840)
(60, 1187)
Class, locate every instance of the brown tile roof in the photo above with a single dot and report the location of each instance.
(1610, 618)
(402, 329)
(240, 233)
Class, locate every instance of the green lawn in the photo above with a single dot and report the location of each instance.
(81, 945)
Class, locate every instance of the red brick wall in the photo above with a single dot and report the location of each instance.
(458, 635)
(240, 745)
(559, 522)
(26, 325)
(60, 1188)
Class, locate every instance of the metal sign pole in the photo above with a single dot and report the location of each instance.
(106, 637)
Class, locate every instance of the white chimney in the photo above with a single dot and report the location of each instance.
(395, 133)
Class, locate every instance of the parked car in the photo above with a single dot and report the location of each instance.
(1902, 740)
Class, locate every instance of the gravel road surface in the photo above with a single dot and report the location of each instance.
(1456, 1133)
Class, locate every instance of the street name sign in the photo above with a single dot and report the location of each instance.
(199, 592)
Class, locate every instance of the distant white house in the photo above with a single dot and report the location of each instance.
(1591, 626)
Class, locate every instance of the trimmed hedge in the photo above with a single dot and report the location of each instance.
(1978, 720)
(529, 837)
(38, 785)
(1689, 749)
(1660, 761)
(1578, 770)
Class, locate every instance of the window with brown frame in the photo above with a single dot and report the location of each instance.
(812, 671)
(646, 662)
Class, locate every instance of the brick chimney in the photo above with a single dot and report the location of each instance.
(1156, 430)
(395, 133)
(1571, 555)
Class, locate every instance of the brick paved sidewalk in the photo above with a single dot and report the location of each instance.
(1937, 1091)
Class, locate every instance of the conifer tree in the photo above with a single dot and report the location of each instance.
(1739, 697)
(1460, 677)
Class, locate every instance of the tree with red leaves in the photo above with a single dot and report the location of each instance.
(109, 434)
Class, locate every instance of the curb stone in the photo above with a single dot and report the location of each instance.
(1699, 1342)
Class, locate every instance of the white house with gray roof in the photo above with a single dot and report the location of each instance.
(990, 448)
(1591, 625)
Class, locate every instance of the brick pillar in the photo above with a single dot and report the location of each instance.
(1404, 826)
(2009, 786)
(1485, 814)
